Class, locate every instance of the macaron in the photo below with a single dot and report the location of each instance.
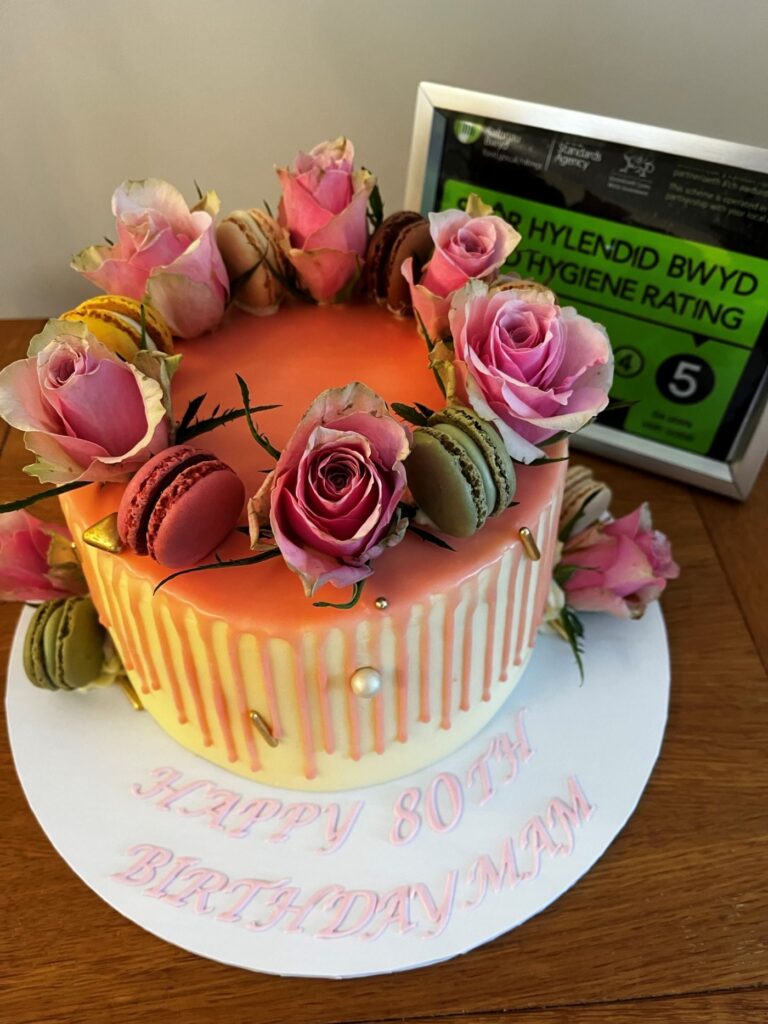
(459, 472)
(64, 645)
(116, 321)
(248, 239)
(398, 237)
(585, 500)
(180, 506)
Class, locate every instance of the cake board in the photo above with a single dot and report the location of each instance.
(359, 882)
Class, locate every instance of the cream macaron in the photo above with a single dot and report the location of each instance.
(251, 244)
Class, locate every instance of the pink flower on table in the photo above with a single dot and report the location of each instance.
(332, 499)
(86, 413)
(165, 254)
(625, 564)
(531, 367)
(36, 559)
(324, 207)
(469, 245)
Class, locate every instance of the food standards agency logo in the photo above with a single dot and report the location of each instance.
(467, 132)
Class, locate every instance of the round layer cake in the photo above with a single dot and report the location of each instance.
(449, 632)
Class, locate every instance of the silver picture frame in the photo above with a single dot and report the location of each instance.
(733, 476)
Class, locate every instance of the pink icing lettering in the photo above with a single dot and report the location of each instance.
(534, 835)
(296, 816)
(337, 832)
(180, 864)
(485, 873)
(407, 821)
(218, 804)
(452, 787)
(282, 899)
(521, 736)
(439, 914)
(395, 908)
(164, 776)
(251, 888)
(345, 902)
(301, 911)
(480, 771)
(201, 883)
(151, 859)
(568, 816)
(255, 812)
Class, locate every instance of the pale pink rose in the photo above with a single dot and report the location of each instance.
(86, 413)
(324, 207)
(532, 368)
(470, 244)
(332, 499)
(626, 565)
(36, 559)
(165, 253)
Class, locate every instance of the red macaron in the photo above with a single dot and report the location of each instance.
(180, 506)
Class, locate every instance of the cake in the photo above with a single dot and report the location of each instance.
(449, 632)
(395, 409)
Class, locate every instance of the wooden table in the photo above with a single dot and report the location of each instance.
(670, 925)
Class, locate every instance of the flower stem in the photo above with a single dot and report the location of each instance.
(14, 506)
(263, 556)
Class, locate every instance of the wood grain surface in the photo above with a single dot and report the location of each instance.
(669, 926)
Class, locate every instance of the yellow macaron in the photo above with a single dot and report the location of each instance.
(116, 321)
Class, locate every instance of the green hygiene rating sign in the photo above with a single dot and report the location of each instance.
(683, 317)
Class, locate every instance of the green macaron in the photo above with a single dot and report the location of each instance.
(459, 472)
(64, 645)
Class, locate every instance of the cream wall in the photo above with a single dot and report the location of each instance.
(93, 92)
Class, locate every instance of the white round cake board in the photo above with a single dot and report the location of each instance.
(320, 885)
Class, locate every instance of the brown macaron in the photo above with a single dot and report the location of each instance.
(398, 237)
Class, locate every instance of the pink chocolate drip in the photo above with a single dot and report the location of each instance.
(220, 701)
(401, 689)
(168, 669)
(351, 699)
(326, 719)
(307, 739)
(520, 640)
(466, 659)
(269, 691)
(490, 629)
(190, 677)
(450, 633)
(243, 711)
(425, 714)
(506, 651)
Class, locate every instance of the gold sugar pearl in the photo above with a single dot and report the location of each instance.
(529, 543)
(381, 603)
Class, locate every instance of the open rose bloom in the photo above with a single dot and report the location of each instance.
(85, 412)
(332, 499)
(532, 368)
(324, 208)
(165, 254)
(625, 564)
(469, 245)
(37, 562)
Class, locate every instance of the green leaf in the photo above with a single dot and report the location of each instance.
(424, 409)
(560, 436)
(198, 189)
(431, 537)
(263, 556)
(574, 631)
(32, 499)
(544, 461)
(258, 437)
(409, 414)
(212, 422)
(375, 207)
(620, 403)
(193, 408)
(357, 591)
(268, 208)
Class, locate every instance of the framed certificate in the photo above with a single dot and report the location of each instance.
(659, 235)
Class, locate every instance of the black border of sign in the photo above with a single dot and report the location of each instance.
(734, 476)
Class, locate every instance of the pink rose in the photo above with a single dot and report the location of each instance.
(626, 565)
(469, 245)
(532, 368)
(87, 414)
(332, 499)
(165, 254)
(36, 560)
(324, 208)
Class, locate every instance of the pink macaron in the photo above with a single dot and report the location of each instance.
(180, 506)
